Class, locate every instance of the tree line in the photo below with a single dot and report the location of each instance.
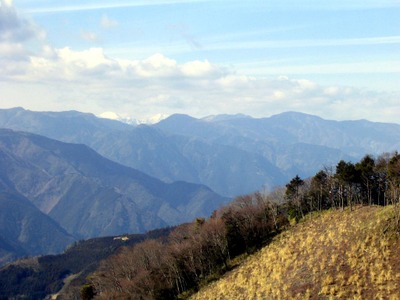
(197, 252)
(371, 181)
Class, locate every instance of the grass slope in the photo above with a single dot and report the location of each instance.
(332, 255)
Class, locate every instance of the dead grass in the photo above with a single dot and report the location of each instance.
(332, 255)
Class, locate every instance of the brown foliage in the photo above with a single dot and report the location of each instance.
(193, 252)
(199, 250)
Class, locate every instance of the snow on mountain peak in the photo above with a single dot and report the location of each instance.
(110, 115)
(132, 121)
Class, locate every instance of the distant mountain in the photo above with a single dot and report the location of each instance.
(232, 154)
(294, 142)
(146, 148)
(222, 117)
(68, 126)
(24, 230)
(352, 137)
(91, 196)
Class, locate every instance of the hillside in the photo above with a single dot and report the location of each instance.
(344, 254)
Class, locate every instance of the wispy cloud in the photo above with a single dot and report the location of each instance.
(89, 36)
(356, 4)
(108, 23)
(285, 5)
(305, 43)
(105, 5)
(183, 31)
(332, 5)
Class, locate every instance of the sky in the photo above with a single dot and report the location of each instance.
(336, 59)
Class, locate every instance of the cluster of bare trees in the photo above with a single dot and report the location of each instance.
(192, 253)
(195, 252)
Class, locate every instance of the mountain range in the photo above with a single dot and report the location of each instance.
(54, 192)
(231, 154)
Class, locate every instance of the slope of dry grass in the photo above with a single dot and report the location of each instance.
(332, 255)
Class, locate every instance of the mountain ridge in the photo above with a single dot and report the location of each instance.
(182, 147)
(89, 195)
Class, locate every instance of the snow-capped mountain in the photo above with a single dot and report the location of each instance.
(133, 121)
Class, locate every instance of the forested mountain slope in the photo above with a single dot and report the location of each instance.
(89, 195)
(25, 230)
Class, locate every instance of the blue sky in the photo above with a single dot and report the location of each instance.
(336, 59)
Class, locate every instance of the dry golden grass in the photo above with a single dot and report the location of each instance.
(332, 255)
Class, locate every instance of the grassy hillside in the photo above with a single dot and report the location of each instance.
(335, 254)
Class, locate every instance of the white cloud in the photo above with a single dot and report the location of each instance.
(331, 91)
(11, 50)
(89, 80)
(234, 81)
(108, 23)
(159, 61)
(154, 66)
(159, 84)
(197, 68)
(279, 94)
